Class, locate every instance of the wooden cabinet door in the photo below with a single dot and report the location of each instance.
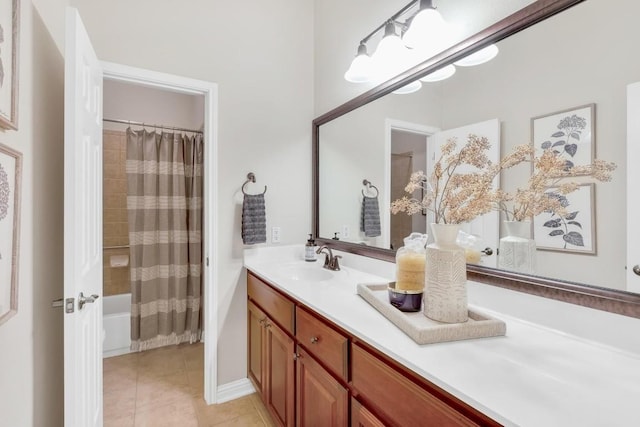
(255, 346)
(321, 400)
(361, 417)
(280, 371)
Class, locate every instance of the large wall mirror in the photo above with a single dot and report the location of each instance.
(553, 56)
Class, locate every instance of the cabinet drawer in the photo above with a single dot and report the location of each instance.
(276, 306)
(325, 343)
(399, 400)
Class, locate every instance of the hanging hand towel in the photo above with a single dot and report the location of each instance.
(254, 220)
(370, 217)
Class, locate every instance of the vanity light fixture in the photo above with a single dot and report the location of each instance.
(425, 28)
(441, 74)
(391, 56)
(409, 88)
(479, 57)
(424, 34)
(360, 69)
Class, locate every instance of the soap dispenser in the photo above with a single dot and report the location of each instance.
(310, 249)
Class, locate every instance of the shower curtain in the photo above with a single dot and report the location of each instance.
(164, 203)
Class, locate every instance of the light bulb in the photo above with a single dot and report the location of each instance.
(479, 57)
(441, 74)
(360, 69)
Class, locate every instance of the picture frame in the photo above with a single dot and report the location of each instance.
(570, 132)
(9, 54)
(576, 232)
(10, 199)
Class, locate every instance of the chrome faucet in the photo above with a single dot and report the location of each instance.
(330, 261)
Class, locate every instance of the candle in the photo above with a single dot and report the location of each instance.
(410, 271)
(472, 255)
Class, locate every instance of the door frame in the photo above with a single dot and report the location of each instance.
(169, 82)
(404, 126)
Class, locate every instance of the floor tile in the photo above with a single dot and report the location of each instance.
(262, 410)
(178, 413)
(247, 420)
(161, 361)
(119, 421)
(196, 382)
(164, 387)
(215, 414)
(154, 391)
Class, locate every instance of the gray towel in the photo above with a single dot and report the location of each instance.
(370, 217)
(254, 219)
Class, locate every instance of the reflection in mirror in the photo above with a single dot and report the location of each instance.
(553, 66)
(408, 156)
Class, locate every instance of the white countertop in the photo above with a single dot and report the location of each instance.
(533, 376)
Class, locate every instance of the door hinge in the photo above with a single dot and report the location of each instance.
(207, 261)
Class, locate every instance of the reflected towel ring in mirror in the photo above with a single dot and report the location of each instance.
(251, 177)
(369, 186)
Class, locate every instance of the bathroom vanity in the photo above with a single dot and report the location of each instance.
(319, 352)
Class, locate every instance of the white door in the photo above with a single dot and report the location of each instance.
(633, 177)
(82, 228)
(487, 227)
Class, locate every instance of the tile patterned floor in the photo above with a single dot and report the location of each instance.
(164, 387)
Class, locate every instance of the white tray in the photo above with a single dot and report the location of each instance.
(427, 331)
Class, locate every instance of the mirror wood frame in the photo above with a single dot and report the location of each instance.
(614, 301)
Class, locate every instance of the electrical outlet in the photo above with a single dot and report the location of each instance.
(345, 231)
(275, 234)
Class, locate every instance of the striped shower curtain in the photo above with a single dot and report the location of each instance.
(164, 202)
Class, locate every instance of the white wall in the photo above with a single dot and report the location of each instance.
(151, 106)
(31, 363)
(261, 56)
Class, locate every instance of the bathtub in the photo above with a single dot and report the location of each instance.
(116, 321)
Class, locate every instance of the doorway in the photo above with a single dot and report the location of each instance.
(405, 153)
(125, 86)
(164, 119)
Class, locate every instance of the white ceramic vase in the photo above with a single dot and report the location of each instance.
(445, 298)
(517, 248)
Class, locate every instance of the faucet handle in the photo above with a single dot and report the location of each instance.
(335, 265)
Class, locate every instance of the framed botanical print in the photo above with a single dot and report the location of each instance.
(570, 133)
(10, 180)
(574, 232)
(9, 31)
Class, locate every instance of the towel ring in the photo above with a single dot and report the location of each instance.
(369, 185)
(251, 177)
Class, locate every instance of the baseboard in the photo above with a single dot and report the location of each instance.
(116, 352)
(234, 390)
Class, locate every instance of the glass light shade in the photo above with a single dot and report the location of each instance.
(479, 57)
(390, 58)
(425, 28)
(409, 88)
(360, 69)
(441, 74)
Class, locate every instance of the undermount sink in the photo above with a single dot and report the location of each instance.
(303, 273)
